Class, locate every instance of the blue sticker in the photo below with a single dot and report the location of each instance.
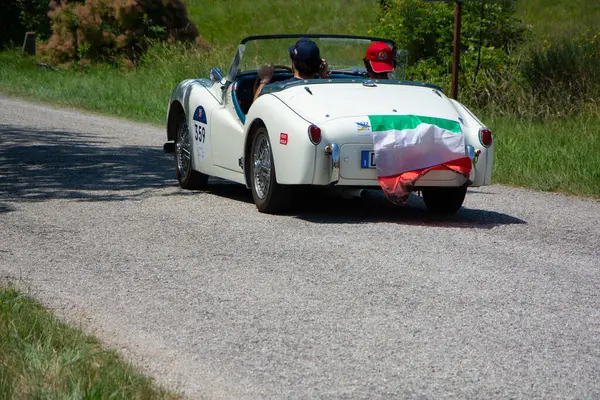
(200, 115)
(363, 127)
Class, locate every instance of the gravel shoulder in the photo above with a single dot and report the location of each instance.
(342, 299)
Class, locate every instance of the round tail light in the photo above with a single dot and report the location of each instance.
(485, 137)
(314, 134)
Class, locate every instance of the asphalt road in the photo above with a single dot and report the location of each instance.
(340, 299)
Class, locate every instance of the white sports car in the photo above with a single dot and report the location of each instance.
(347, 132)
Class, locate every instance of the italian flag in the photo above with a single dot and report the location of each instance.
(408, 146)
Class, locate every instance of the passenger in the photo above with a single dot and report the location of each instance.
(379, 60)
(306, 63)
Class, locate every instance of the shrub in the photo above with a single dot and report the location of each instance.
(114, 31)
(11, 30)
(426, 29)
(20, 16)
(489, 37)
(568, 68)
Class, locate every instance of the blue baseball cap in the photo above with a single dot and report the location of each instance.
(305, 50)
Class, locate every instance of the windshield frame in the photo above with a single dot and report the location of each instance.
(237, 59)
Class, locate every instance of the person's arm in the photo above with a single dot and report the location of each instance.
(265, 74)
(262, 84)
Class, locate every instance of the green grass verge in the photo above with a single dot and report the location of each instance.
(227, 22)
(556, 155)
(556, 19)
(42, 358)
(141, 94)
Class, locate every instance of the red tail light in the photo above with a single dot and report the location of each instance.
(485, 137)
(314, 134)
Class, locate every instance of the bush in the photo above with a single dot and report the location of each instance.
(114, 31)
(569, 69)
(555, 80)
(426, 29)
(20, 16)
(488, 41)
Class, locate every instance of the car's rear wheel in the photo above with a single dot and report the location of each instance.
(443, 200)
(269, 196)
(188, 178)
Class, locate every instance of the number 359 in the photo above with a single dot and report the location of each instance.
(200, 133)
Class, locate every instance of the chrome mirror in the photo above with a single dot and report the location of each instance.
(216, 75)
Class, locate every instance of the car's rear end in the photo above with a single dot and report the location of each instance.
(343, 110)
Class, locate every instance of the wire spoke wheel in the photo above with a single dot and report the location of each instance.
(187, 176)
(183, 153)
(269, 196)
(262, 167)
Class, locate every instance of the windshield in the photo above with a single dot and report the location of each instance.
(343, 54)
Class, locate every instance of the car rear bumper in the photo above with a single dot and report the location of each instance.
(343, 168)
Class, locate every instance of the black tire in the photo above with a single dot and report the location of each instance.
(188, 177)
(269, 196)
(441, 200)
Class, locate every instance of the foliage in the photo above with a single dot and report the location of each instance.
(114, 31)
(490, 33)
(569, 68)
(426, 29)
(20, 16)
(498, 73)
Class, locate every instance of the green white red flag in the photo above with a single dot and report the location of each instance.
(408, 146)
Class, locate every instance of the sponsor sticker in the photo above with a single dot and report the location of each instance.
(363, 128)
(283, 139)
(200, 115)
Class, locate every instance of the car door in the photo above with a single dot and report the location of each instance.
(227, 135)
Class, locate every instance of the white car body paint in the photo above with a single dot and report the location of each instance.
(337, 108)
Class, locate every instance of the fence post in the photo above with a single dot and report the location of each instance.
(456, 50)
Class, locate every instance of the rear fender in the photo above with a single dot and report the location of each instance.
(293, 153)
(482, 169)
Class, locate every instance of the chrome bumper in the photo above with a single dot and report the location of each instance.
(333, 151)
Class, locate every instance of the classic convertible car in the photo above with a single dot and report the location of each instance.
(347, 132)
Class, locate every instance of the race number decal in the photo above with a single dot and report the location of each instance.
(200, 127)
(200, 134)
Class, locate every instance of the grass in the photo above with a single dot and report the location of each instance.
(557, 156)
(227, 22)
(140, 94)
(42, 358)
(556, 19)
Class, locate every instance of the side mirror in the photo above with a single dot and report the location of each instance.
(216, 75)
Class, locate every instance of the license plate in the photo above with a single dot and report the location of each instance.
(367, 159)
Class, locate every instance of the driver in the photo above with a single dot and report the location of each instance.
(306, 63)
(379, 60)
